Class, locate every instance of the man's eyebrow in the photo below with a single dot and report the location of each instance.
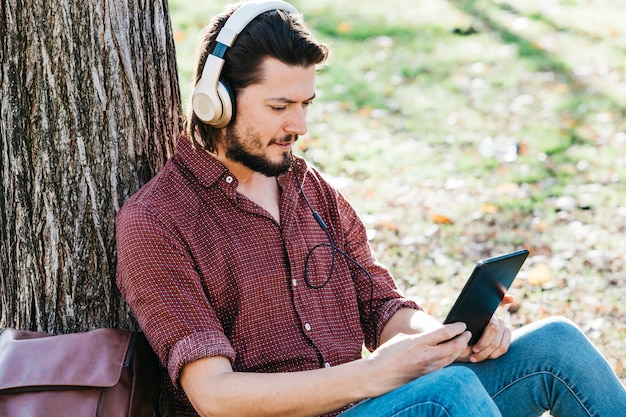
(289, 101)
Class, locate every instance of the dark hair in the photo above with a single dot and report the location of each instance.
(275, 34)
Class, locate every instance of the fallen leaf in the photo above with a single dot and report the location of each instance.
(489, 208)
(539, 275)
(344, 27)
(441, 219)
(179, 36)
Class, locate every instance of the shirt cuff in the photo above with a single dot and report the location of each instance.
(385, 313)
(198, 345)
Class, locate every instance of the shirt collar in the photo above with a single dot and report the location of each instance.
(205, 168)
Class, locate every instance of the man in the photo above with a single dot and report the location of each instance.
(255, 284)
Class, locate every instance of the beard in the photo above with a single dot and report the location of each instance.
(238, 150)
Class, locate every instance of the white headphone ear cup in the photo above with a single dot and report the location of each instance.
(206, 102)
(212, 100)
(226, 100)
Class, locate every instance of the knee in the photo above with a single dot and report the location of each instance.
(552, 336)
(558, 329)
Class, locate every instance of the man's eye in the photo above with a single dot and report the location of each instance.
(278, 108)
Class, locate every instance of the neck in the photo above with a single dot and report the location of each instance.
(242, 173)
(250, 182)
(259, 188)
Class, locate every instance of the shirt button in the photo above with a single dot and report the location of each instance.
(229, 179)
(307, 326)
(327, 365)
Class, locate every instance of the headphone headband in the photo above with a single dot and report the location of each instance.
(211, 99)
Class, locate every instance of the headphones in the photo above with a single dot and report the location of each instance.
(212, 100)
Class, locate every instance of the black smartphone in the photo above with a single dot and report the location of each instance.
(484, 290)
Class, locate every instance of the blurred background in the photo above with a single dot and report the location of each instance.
(461, 130)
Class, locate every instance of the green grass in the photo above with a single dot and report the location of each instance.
(507, 118)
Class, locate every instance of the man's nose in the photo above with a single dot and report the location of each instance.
(296, 125)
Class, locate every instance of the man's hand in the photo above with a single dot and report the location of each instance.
(495, 340)
(405, 357)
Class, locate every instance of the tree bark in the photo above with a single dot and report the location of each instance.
(89, 110)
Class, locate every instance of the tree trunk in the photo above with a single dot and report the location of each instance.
(89, 109)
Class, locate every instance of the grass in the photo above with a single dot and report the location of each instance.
(464, 129)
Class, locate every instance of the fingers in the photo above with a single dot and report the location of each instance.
(425, 352)
(447, 333)
(494, 342)
(445, 345)
(508, 299)
(405, 357)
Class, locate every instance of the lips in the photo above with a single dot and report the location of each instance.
(286, 141)
(284, 146)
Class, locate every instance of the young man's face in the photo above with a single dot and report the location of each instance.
(270, 116)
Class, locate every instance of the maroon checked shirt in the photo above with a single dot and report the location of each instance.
(208, 272)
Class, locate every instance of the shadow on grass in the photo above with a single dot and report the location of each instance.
(541, 59)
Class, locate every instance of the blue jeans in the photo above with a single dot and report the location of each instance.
(550, 365)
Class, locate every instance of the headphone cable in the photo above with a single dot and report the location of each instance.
(333, 249)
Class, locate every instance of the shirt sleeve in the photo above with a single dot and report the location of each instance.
(379, 296)
(156, 276)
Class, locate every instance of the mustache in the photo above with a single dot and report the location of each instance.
(285, 139)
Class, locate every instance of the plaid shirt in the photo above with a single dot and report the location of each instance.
(208, 272)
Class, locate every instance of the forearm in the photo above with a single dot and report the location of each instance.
(408, 321)
(215, 390)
